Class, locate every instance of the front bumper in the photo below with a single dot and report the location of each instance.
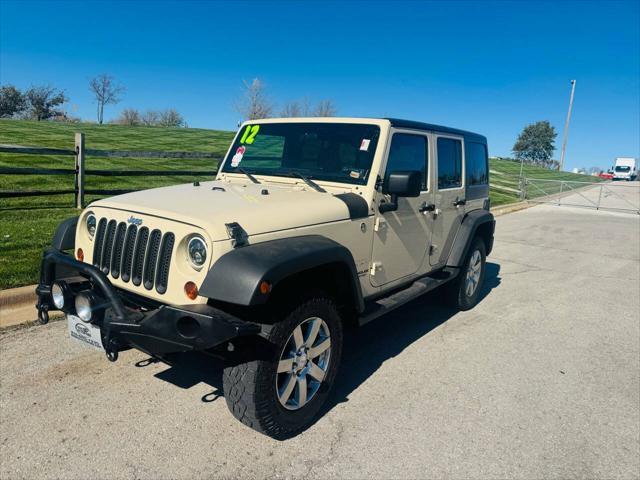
(157, 331)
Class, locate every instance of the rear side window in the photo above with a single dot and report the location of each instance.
(408, 152)
(449, 163)
(476, 160)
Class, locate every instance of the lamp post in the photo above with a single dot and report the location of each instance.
(566, 127)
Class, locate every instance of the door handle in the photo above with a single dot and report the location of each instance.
(427, 207)
(460, 201)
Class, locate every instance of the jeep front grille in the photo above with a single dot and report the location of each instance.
(133, 254)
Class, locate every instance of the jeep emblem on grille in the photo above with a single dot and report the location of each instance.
(134, 220)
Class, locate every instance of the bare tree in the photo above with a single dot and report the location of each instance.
(106, 91)
(42, 102)
(291, 109)
(150, 118)
(254, 103)
(129, 116)
(325, 108)
(305, 107)
(171, 118)
(297, 108)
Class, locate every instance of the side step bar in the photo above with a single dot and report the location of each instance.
(421, 286)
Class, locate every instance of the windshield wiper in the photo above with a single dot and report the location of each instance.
(251, 177)
(308, 181)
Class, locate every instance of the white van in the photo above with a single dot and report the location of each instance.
(625, 169)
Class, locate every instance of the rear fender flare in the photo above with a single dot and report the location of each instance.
(466, 233)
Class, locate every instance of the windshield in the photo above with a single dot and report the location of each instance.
(334, 152)
(621, 168)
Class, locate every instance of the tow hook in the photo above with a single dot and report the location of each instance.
(43, 312)
(111, 350)
(112, 355)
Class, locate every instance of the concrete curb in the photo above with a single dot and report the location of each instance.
(510, 208)
(17, 305)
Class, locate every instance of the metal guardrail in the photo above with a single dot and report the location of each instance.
(79, 172)
(612, 196)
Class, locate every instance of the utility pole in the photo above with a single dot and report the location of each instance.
(566, 126)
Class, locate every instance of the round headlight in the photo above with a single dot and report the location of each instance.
(197, 249)
(91, 224)
(57, 295)
(84, 309)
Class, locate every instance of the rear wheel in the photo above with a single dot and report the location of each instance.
(464, 292)
(280, 393)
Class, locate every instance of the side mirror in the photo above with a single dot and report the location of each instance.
(407, 183)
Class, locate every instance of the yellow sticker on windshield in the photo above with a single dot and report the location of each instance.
(249, 134)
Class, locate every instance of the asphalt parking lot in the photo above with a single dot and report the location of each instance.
(541, 379)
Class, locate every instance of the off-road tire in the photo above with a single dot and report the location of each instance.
(456, 289)
(250, 388)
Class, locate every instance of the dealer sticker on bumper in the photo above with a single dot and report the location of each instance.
(85, 333)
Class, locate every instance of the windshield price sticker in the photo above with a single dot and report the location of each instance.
(237, 158)
(249, 134)
(364, 145)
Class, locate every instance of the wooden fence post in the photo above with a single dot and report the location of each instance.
(80, 158)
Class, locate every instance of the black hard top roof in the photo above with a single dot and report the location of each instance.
(397, 122)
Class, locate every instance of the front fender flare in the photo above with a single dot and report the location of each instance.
(64, 237)
(237, 275)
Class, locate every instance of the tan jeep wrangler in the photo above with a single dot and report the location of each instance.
(310, 225)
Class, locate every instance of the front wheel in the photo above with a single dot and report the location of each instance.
(281, 392)
(464, 291)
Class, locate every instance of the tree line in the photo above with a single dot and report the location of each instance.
(255, 103)
(37, 103)
(45, 102)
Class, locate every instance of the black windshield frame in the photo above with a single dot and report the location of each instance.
(322, 151)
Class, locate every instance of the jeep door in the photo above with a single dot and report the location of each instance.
(402, 237)
(449, 192)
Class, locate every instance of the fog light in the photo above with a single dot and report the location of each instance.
(188, 327)
(58, 295)
(84, 307)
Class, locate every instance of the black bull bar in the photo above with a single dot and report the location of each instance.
(165, 329)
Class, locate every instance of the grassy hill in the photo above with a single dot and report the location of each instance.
(505, 180)
(27, 224)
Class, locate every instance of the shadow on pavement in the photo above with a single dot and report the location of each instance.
(365, 349)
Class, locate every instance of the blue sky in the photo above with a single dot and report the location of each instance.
(490, 67)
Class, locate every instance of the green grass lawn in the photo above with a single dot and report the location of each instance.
(27, 224)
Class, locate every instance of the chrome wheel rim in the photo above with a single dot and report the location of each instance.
(473, 273)
(303, 363)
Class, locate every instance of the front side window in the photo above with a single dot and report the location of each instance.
(334, 152)
(408, 152)
(449, 163)
(476, 160)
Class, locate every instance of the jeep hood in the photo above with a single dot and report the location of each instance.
(213, 204)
